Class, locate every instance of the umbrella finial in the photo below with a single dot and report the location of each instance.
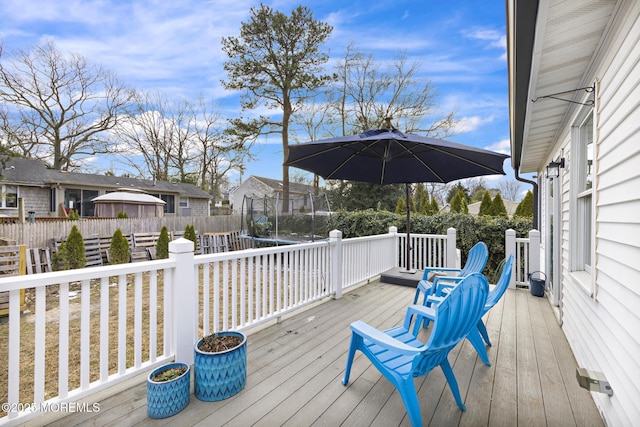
(389, 125)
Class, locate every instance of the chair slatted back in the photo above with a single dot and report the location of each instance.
(502, 285)
(477, 259)
(457, 313)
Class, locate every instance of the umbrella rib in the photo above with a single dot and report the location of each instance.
(448, 153)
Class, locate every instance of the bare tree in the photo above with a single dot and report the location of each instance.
(218, 152)
(509, 189)
(58, 106)
(276, 61)
(367, 95)
(150, 133)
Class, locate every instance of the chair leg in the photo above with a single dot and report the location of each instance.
(483, 331)
(352, 351)
(407, 390)
(453, 383)
(478, 344)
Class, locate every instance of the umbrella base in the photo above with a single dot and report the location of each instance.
(401, 276)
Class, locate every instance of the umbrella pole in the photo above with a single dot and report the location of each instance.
(408, 245)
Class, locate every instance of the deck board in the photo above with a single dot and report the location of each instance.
(295, 369)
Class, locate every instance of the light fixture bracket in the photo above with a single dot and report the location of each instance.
(588, 89)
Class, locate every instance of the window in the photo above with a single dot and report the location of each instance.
(9, 196)
(581, 164)
(80, 201)
(170, 202)
(184, 202)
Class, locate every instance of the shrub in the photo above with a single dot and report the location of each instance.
(485, 205)
(73, 215)
(190, 234)
(469, 229)
(60, 259)
(70, 254)
(119, 252)
(122, 215)
(162, 245)
(497, 207)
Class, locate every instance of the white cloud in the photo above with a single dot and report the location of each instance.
(502, 146)
(470, 124)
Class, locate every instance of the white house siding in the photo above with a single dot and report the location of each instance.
(603, 327)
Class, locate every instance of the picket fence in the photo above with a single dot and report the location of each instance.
(40, 233)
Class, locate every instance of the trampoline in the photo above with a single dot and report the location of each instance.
(269, 222)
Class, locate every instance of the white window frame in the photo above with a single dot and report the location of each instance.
(5, 191)
(582, 231)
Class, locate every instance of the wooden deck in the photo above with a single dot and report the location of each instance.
(295, 368)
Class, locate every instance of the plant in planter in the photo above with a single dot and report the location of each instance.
(220, 365)
(168, 390)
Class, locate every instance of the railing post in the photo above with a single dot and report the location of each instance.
(510, 249)
(335, 241)
(451, 248)
(184, 300)
(534, 251)
(393, 231)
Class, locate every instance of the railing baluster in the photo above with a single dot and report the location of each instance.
(85, 336)
(63, 340)
(40, 343)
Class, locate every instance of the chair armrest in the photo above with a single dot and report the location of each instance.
(419, 311)
(428, 270)
(438, 279)
(381, 339)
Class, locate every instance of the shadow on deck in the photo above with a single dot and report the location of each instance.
(295, 368)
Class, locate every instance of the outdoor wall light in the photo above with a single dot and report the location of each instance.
(553, 169)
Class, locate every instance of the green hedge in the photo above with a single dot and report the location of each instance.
(469, 229)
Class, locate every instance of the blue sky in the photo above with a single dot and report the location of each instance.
(174, 47)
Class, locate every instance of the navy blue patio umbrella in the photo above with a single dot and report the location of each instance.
(388, 156)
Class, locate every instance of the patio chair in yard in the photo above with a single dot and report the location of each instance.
(476, 261)
(400, 356)
(478, 337)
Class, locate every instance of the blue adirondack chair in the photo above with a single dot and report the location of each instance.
(476, 261)
(401, 357)
(478, 336)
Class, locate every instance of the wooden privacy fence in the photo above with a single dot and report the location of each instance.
(142, 247)
(40, 233)
(12, 263)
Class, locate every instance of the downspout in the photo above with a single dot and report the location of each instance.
(535, 197)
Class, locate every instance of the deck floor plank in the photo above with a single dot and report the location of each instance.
(295, 369)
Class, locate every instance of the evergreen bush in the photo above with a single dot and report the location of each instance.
(190, 234)
(162, 245)
(525, 207)
(60, 259)
(73, 215)
(122, 215)
(119, 252)
(497, 207)
(485, 205)
(70, 254)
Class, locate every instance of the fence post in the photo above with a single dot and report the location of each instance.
(393, 232)
(534, 251)
(451, 254)
(184, 300)
(335, 245)
(510, 249)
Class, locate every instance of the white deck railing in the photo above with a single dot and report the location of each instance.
(96, 327)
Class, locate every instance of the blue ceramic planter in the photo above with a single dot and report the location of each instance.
(220, 375)
(167, 398)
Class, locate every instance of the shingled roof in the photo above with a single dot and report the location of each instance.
(30, 172)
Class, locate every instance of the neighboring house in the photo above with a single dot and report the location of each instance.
(47, 192)
(590, 213)
(266, 191)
